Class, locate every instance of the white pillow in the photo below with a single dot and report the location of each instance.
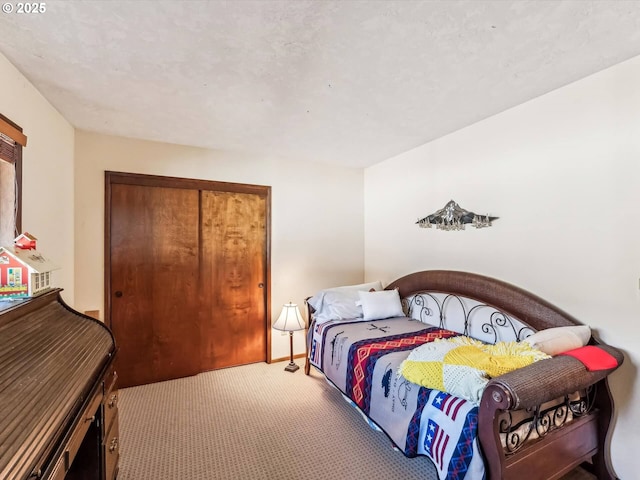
(339, 303)
(553, 341)
(379, 305)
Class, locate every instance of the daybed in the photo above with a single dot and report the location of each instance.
(535, 422)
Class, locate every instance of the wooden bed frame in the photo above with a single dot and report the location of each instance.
(561, 446)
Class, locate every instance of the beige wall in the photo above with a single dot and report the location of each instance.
(47, 195)
(563, 174)
(316, 215)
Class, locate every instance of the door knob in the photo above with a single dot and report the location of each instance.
(118, 294)
(261, 285)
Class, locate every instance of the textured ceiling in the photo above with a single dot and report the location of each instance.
(349, 82)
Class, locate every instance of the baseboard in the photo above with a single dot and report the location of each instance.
(282, 359)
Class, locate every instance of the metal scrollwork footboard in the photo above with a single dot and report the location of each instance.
(521, 426)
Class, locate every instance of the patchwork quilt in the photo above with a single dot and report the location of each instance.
(362, 359)
(463, 366)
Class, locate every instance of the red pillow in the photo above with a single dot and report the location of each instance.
(594, 358)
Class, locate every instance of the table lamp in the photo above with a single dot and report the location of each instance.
(290, 320)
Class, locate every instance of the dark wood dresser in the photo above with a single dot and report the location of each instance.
(58, 393)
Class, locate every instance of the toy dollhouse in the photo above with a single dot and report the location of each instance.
(24, 272)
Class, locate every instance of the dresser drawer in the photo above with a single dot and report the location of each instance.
(110, 409)
(110, 380)
(111, 450)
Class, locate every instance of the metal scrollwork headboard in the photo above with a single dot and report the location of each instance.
(466, 316)
(479, 306)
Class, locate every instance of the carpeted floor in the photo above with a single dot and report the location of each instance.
(255, 422)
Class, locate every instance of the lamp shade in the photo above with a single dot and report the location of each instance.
(290, 319)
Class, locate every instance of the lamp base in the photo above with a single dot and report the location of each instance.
(292, 367)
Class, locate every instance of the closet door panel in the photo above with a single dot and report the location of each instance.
(233, 254)
(154, 251)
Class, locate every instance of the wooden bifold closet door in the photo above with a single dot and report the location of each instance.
(186, 284)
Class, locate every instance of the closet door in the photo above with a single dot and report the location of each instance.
(154, 290)
(186, 275)
(234, 278)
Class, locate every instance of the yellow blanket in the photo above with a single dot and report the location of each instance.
(462, 366)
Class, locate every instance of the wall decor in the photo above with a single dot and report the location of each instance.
(454, 217)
